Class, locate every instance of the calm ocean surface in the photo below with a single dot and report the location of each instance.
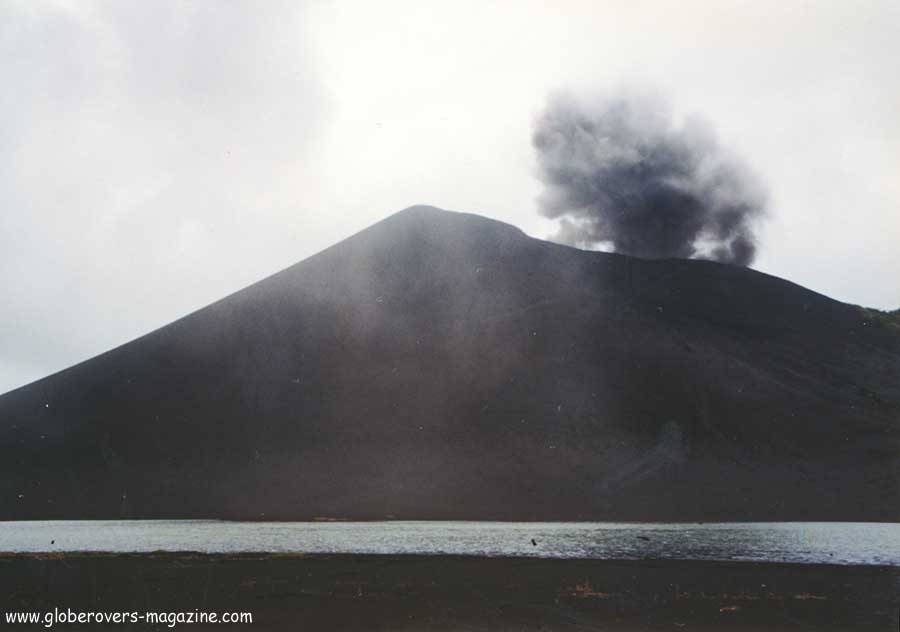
(833, 543)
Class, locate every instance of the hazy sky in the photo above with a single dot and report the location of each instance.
(155, 156)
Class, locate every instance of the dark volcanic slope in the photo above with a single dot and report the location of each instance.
(441, 365)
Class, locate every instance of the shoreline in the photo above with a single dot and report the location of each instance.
(322, 520)
(449, 592)
(262, 555)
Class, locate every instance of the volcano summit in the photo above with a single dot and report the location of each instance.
(441, 365)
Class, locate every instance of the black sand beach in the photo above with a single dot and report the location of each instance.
(389, 592)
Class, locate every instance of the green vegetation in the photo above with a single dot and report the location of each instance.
(887, 319)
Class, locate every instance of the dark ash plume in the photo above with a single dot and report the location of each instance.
(620, 173)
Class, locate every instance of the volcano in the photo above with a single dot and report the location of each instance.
(441, 365)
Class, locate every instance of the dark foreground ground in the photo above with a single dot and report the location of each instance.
(372, 592)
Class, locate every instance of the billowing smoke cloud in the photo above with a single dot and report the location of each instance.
(620, 173)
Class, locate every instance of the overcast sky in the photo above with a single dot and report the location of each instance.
(156, 156)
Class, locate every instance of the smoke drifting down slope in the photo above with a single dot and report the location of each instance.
(619, 172)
